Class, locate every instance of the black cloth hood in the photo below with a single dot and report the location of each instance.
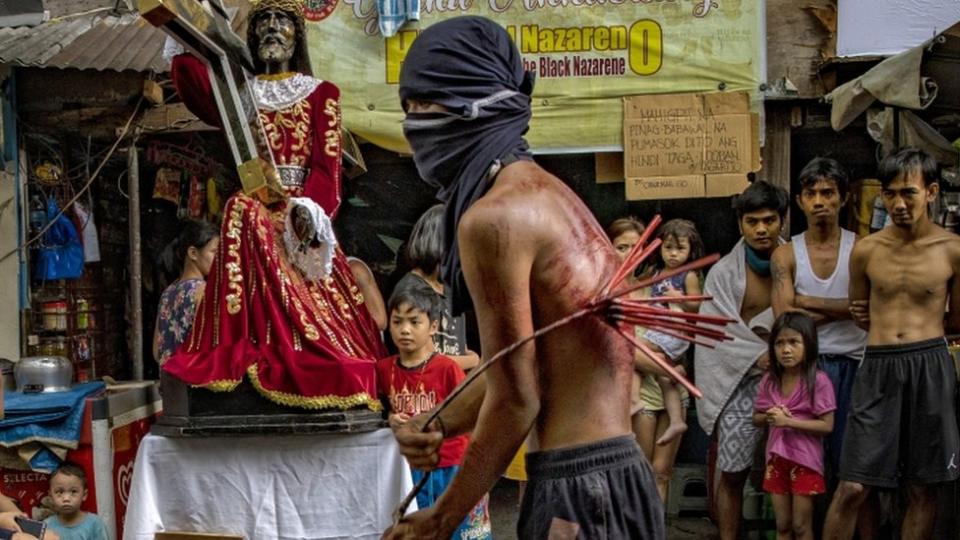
(470, 66)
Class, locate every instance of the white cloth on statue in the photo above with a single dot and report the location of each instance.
(316, 263)
(268, 487)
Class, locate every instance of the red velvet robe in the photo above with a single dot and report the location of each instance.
(301, 343)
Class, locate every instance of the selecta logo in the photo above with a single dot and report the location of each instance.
(318, 10)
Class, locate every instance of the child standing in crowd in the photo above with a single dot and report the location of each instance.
(796, 401)
(68, 490)
(424, 254)
(418, 379)
(193, 252)
(681, 243)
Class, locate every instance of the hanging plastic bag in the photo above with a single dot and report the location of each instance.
(61, 254)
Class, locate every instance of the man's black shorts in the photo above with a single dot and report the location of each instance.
(902, 426)
(597, 491)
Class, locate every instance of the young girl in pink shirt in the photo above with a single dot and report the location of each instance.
(796, 402)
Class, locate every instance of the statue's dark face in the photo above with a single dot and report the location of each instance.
(277, 35)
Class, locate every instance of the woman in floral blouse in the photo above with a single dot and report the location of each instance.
(194, 250)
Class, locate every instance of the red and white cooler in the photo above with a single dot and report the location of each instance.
(114, 422)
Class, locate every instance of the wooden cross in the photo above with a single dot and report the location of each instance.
(203, 29)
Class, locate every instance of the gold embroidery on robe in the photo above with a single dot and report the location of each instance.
(284, 295)
(234, 272)
(321, 318)
(216, 309)
(342, 305)
(297, 344)
(358, 298)
(309, 330)
(288, 133)
(332, 135)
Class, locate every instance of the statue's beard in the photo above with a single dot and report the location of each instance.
(275, 53)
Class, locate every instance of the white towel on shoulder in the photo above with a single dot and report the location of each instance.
(718, 371)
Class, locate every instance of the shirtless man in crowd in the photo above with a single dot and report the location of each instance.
(531, 253)
(902, 427)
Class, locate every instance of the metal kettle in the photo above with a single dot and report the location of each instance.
(36, 374)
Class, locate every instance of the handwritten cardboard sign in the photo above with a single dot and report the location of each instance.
(706, 143)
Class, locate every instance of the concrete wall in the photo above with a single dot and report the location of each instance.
(9, 269)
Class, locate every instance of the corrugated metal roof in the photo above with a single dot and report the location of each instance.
(99, 41)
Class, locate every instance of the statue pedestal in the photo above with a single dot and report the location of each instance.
(198, 412)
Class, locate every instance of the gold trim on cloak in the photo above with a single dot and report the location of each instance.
(294, 400)
(313, 402)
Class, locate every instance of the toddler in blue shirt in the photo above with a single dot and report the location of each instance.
(68, 490)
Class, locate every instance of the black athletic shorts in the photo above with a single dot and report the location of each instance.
(597, 491)
(902, 425)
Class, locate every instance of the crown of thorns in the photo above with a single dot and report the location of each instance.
(294, 7)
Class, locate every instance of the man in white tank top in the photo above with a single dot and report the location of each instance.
(811, 274)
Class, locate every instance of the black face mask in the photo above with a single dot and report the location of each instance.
(447, 145)
(433, 138)
(471, 67)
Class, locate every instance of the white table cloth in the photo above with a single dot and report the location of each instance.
(271, 487)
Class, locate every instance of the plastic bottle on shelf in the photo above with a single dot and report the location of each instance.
(83, 315)
(54, 315)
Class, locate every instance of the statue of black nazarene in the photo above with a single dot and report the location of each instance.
(281, 307)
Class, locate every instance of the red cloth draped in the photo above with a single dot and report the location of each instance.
(301, 343)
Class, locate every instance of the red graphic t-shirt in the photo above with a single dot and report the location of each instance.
(416, 390)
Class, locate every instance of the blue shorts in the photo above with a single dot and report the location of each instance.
(476, 525)
(842, 371)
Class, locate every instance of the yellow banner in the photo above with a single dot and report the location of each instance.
(587, 55)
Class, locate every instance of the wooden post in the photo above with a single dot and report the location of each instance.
(776, 150)
(136, 276)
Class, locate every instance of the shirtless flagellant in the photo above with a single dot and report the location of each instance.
(531, 253)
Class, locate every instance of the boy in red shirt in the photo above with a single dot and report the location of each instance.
(418, 379)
